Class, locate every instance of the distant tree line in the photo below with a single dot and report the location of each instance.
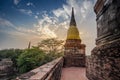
(25, 60)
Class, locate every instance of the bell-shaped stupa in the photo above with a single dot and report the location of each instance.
(74, 54)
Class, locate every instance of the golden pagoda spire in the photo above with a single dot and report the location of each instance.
(72, 21)
(73, 32)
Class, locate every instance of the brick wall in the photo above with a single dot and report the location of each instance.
(104, 62)
(74, 54)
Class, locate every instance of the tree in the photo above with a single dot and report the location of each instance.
(30, 59)
(12, 54)
(51, 45)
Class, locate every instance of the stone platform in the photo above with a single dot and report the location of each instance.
(73, 73)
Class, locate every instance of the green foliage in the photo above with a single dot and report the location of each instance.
(34, 57)
(12, 54)
(51, 45)
(52, 56)
(28, 59)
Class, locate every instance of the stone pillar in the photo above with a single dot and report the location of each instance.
(104, 62)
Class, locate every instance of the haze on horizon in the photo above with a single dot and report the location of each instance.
(22, 21)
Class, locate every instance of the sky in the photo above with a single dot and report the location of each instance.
(22, 21)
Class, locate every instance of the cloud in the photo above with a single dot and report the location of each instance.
(61, 18)
(28, 12)
(43, 27)
(30, 4)
(86, 7)
(6, 23)
(9, 25)
(60, 13)
(16, 2)
(36, 17)
(58, 23)
(26, 33)
(45, 32)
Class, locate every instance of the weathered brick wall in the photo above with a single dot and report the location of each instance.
(49, 71)
(104, 62)
(74, 54)
(6, 69)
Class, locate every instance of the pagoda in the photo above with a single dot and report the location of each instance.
(74, 54)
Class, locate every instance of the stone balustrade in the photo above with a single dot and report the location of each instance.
(49, 71)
